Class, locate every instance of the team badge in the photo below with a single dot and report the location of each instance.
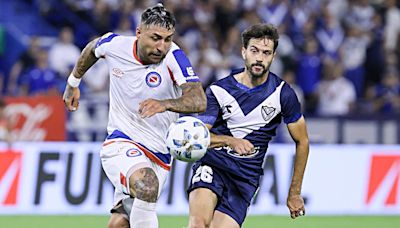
(133, 152)
(153, 79)
(267, 112)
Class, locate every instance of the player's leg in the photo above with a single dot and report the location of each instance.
(120, 214)
(222, 220)
(202, 202)
(144, 186)
(226, 195)
(111, 156)
(124, 163)
(232, 208)
(206, 188)
(117, 220)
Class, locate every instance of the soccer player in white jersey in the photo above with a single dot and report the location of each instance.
(151, 82)
(243, 111)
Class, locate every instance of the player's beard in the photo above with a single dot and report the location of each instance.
(257, 74)
(156, 57)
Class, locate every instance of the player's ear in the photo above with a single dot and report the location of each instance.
(138, 31)
(243, 52)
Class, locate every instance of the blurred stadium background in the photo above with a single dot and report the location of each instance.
(340, 56)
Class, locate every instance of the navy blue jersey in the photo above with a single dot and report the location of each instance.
(249, 113)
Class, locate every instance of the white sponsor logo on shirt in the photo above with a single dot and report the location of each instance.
(190, 71)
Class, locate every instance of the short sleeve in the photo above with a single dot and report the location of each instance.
(103, 44)
(212, 110)
(179, 66)
(291, 110)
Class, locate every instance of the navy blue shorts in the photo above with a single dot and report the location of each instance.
(234, 193)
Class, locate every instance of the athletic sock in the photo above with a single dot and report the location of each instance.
(143, 214)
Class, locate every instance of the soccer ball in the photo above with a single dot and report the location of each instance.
(187, 139)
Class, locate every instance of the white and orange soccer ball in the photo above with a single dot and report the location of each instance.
(187, 139)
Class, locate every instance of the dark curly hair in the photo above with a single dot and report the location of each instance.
(259, 31)
(158, 15)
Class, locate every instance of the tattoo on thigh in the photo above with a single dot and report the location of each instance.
(146, 185)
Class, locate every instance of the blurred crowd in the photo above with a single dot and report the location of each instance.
(340, 56)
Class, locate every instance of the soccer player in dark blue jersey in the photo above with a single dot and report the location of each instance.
(243, 112)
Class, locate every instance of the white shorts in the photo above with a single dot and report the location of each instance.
(120, 158)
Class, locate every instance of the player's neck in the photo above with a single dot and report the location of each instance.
(250, 81)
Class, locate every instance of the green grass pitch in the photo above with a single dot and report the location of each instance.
(181, 221)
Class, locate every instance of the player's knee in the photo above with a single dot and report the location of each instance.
(117, 221)
(143, 184)
(199, 222)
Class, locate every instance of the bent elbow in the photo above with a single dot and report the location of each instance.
(302, 140)
(203, 105)
(201, 102)
(305, 141)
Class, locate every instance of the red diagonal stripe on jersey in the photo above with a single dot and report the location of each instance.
(7, 159)
(171, 74)
(122, 179)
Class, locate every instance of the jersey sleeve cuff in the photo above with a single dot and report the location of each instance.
(292, 118)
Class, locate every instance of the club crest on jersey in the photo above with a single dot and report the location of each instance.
(153, 79)
(267, 112)
(133, 152)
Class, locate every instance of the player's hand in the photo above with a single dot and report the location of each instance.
(295, 203)
(149, 107)
(241, 146)
(71, 97)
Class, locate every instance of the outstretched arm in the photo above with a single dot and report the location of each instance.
(295, 202)
(85, 61)
(193, 100)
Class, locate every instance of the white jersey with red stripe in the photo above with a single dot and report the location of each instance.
(132, 82)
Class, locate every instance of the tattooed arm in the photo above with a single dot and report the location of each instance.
(85, 61)
(193, 100)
